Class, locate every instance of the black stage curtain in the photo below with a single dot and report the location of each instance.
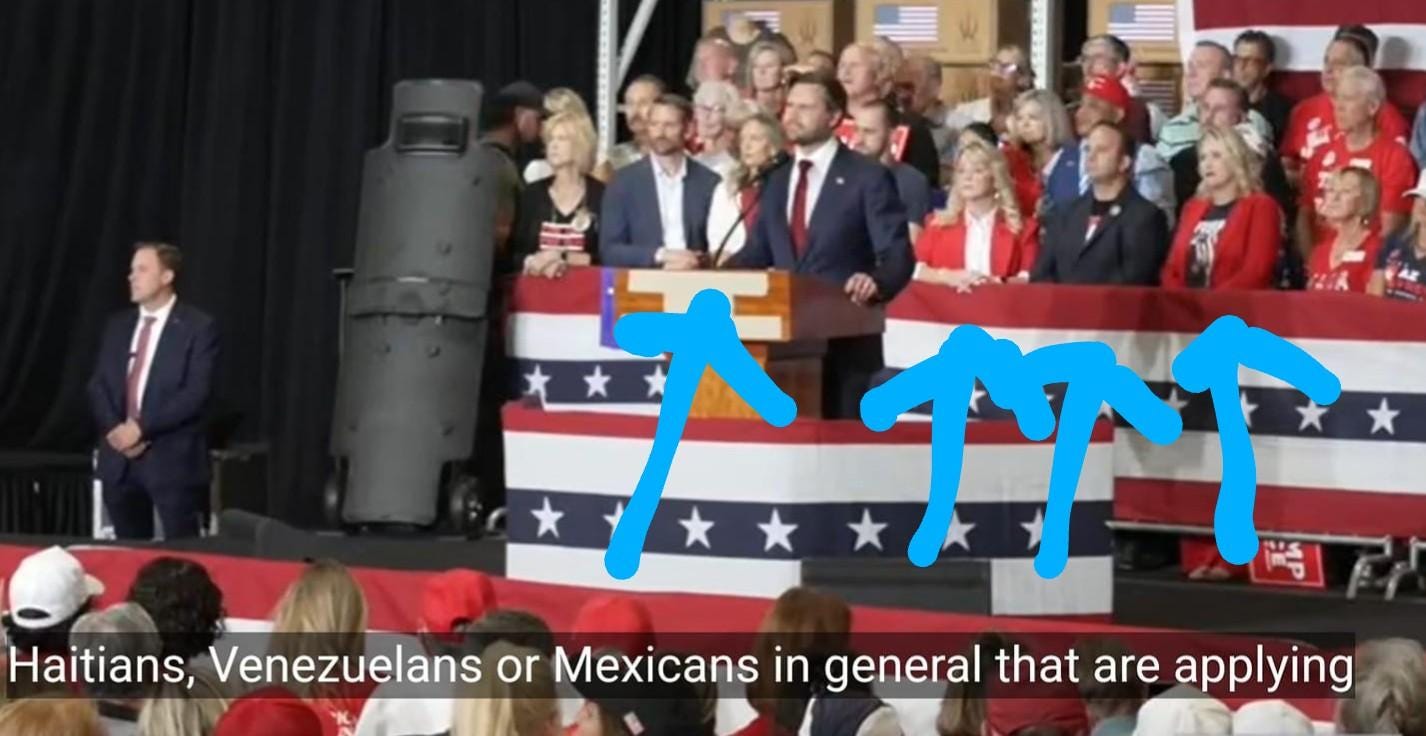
(235, 128)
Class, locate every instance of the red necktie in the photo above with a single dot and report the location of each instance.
(748, 202)
(799, 208)
(136, 369)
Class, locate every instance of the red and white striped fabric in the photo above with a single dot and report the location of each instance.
(1303, 28)
(1337, 470)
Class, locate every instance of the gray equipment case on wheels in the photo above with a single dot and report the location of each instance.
(416, 315)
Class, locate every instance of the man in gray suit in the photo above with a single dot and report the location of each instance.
(655, 211)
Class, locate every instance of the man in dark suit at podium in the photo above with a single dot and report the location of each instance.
(836, 215)
(148, 393)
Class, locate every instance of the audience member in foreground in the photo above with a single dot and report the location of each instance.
(48, 592)
(1111, 235)
(1271, 718)
(526, 707)
(185, 604)
(803, 622)
(1024, 709)
(1182, 710)
(962, 711)
(1343, 259)
(179, 710)
(759, 141)
(1389, 690)
(981, 236)
(1231, 233)
(51, 717)
(323, 615)
(1112, 707)
(1401, 269)
(270, 711)
(120, 632)
(451, 603)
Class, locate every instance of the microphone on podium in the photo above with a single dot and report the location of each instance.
(780, 160)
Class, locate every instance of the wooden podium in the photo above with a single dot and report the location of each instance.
(784, 320)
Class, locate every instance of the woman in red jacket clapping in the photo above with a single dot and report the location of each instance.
(1230, 235)
(981, 236)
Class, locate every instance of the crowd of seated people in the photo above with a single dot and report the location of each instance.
(52, 603)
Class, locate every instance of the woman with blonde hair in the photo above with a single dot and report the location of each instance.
(179, 710)
(981, 236)
(1038, 129)
(1230, 233)
(323, 615)
(558, 224)
(759, 140)
(560, 101)
(50, 717)
(1348, 247)
(528, 706)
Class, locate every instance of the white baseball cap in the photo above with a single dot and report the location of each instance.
(1271, 718)
(1420, 190)
(48, 587)
(1182, 710)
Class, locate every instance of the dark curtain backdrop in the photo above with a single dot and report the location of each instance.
(235, 128)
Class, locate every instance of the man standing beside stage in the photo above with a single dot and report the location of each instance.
(833, 214)
(148, 394)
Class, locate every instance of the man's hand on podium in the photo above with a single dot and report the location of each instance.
(861, 288)
(680, 260)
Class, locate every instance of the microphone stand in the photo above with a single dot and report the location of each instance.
(758, 181)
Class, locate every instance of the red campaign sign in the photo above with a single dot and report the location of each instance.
(847, 134)
(1293, 564)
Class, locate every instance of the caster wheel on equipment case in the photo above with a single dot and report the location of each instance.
(463, 506)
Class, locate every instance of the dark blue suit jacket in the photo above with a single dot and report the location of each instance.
(858, 225)
(171, 417)
(632, 231)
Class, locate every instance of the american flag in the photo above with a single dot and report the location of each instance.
(1143, 23)
(907, 23)
(772, 19)
(1162, 92)
(1338, 469)
(746, 502)
(1302, 31)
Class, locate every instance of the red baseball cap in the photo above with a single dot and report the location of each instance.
(271, 711)
(614, 621)
(455, 596)
(1108, 89)
(1016, 706)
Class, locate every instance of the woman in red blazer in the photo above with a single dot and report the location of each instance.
(981, 236)
(1230, 233)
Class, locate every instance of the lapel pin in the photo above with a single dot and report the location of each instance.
(841, 181)
(1114, 211)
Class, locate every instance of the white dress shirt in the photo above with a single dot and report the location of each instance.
(722, 215)
(160, 319)
(821, 158)
(670, 191)
(979, 234)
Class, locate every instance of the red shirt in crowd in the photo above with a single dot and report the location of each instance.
(1313, 124)
(1242, 254)
(1028, 187)
(1351, 274)
(339, 714)
(1387, 158)
(944, 246)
